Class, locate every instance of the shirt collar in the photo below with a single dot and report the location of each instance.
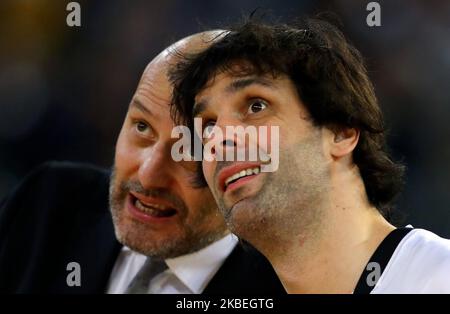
(195, 270)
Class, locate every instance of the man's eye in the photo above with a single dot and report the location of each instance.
(141, 126)
(257, 106)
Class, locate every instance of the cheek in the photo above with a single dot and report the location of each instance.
(126, 156)
(268, 136)
(200, 204)
(287, 137)
(198, 199)
(291, 134)
(189, 166)
(208, 171)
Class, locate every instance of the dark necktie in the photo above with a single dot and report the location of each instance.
(151, 268)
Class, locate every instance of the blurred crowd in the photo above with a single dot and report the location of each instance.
(64, 90)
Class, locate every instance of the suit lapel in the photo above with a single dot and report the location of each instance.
(96, 251)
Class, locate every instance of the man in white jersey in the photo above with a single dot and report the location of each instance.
(416, 262)
(322, 218)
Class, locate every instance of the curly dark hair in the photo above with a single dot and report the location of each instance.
(330, 77)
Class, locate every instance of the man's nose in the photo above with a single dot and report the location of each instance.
(154, 169)
(229, 140)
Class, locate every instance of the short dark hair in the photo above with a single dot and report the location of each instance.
(330, 77)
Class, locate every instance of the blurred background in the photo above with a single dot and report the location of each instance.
(64, 90)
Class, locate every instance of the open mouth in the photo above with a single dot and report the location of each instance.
(241, 175)
(154, 210)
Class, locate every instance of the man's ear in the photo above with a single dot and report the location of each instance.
(344, 141)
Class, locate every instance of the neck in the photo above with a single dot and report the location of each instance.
(330, 257)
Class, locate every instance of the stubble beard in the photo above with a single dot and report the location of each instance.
(131, 233)
(289, 206)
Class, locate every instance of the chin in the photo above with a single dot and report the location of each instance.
(241, 215)
(145, 243)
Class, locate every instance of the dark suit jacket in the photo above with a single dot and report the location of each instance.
(60, 214)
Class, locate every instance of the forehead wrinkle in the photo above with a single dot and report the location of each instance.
(242, 83)
(138, 104)
(153, 93)
(152, 97)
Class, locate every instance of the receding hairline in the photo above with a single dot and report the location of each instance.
(191, 44)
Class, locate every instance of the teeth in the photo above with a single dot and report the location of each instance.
(243, 173)
(157, 206)
(144, 208)
(151, 209)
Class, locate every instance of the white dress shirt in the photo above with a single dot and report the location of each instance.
(420, 264)
(188, 274)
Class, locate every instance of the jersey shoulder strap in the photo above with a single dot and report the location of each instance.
(380, 258)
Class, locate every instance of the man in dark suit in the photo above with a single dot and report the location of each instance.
(60, 234)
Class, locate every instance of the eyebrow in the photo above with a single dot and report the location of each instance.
(234, 87)
(240, 84)
(140, 106)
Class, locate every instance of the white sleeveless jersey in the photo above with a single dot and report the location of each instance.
(419, 264)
